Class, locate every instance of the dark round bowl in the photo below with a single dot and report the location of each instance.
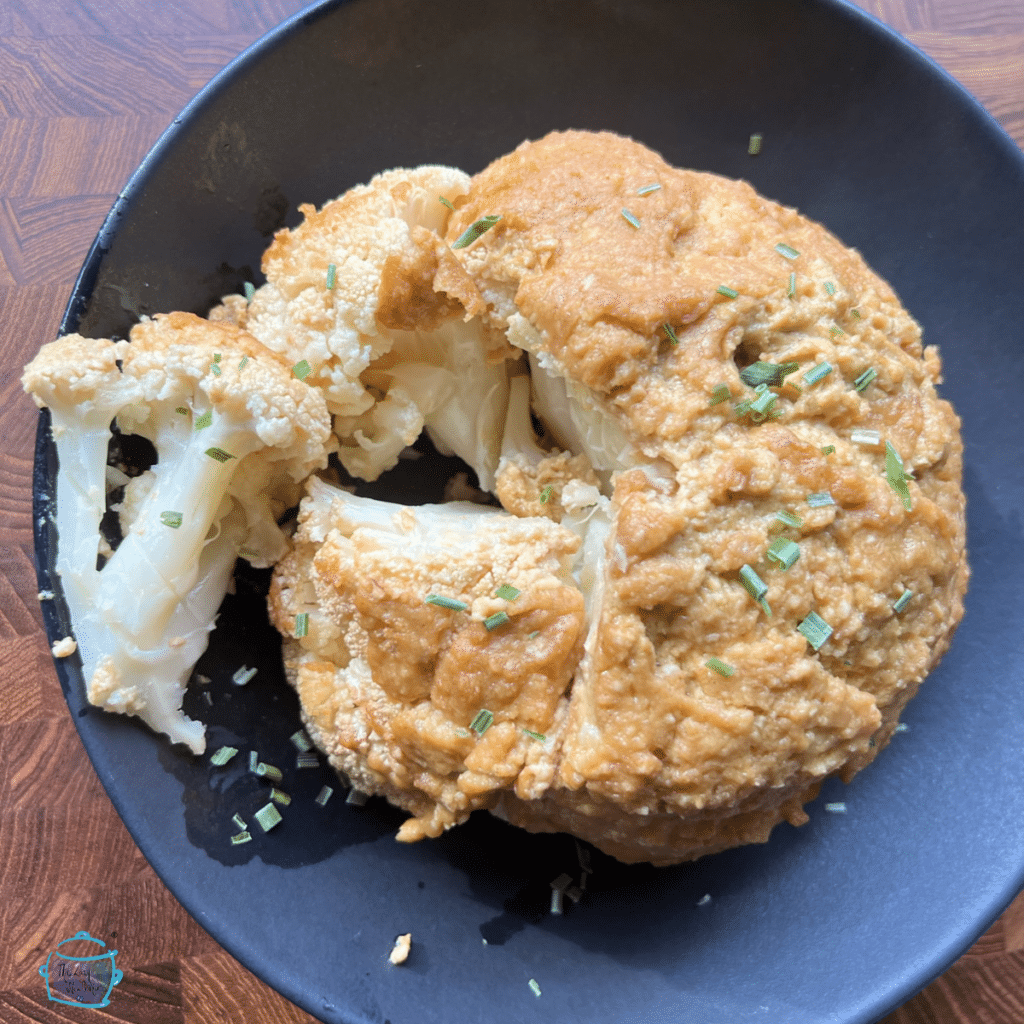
(840, 920)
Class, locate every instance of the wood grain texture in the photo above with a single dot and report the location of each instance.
(86, 87)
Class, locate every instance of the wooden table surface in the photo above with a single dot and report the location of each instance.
(86, 86)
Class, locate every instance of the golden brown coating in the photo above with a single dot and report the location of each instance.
(642, 310)
(390, 683)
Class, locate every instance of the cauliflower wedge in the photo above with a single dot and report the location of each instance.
(440, 645)
(350, 292)
(220, 410)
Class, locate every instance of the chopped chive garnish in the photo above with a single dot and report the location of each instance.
(830, 288)
(816, 373)
(254, 760)
(171, 519)
(770, 374)
(243, 675)
(648, 189)
(897, 475)
(670, 332)
(496, 620)
(829, 449)
(729, 293)
(719, 666)
(742, 408)
(447, 202)
(865, 378)
(632, 220)
(300, 741)
(216, 357)
(268, 817)
(557, 897)
(301, 625)
(786, 250)
(792, 285)
(269, 772)
(754, 145)
(357, 797)
(545, 494)
(221, 756)
(309, 760)
(250, 290)
(241, 837)
(821, 499)
(855, 312)
(783, 551)
(720, 393)
(205, 420)
(902, 727)
(788, 518)
(761, 406)
(835, 330)
(446, 602)
(538, 736)
(837, 808)
(332, 276)
(507, 592)
(534, 987)
(871, 438)
(302, 369)
(482, 722)
(475, 230)
(324, 795)
(182, 410)
(238, 820)
(279, 797)
(242, 362)
(532, 634)
(902, 601)
(815, 630)
(755, 587)
(219, 454)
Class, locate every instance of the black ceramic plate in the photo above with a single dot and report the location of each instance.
(837, 921)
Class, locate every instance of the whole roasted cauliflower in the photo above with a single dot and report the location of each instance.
(722, 569)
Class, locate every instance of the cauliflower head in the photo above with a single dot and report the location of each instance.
(742, 433)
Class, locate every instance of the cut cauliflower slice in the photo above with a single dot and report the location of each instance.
(438, 708)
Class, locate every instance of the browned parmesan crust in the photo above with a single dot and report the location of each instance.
(648, 753)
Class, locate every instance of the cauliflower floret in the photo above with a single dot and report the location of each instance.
(379, 238)
(532, 481)
(351, 292)
(437, 708)
(77, 379)
(210, 398)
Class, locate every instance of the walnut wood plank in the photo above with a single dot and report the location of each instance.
(86, 87)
